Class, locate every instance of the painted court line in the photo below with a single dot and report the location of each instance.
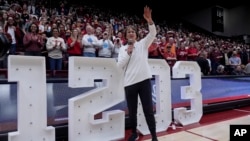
(242, 110)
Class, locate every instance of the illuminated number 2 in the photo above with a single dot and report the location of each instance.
(82, 109)
(192, 92)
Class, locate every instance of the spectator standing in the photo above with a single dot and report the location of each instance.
(106, 46)
(74, 43)
(89, 42)
(203, 63)
(234, 61)
(33, 42)
(181, 52)
(55, 46)
(154, 50)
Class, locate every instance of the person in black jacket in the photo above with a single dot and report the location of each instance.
(203, 63)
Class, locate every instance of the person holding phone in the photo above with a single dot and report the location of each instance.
(133, 59)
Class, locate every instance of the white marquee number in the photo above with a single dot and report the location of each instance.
(192, 92)
(83, 108)
(83, 124)
(161, 70)
(29, 73)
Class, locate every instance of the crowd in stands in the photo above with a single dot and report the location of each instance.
(35, 28)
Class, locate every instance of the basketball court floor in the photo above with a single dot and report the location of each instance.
(212, 127)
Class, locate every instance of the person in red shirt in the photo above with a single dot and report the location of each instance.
(154, 50)
(181, 52)
(33, 41)
(74, 43)
(193, 51)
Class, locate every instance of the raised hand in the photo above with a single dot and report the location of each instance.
(147, 15)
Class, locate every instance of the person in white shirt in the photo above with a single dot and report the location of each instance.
(89, 42)
(106, 46)
(133, 59)
(55, 46)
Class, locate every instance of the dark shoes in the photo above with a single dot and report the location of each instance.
(154, 139)
(134, 137)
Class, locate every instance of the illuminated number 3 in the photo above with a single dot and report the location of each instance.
(192, 92)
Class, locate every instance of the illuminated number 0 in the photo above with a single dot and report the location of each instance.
(161, 70)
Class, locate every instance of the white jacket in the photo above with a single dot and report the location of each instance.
(136, 66)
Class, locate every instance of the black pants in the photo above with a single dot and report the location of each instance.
(144, 90)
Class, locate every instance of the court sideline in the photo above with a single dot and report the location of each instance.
(212, 127)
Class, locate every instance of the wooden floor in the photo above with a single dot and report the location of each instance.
(212, 127)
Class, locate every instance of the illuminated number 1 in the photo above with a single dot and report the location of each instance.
(29, 73)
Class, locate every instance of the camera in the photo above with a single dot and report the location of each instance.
(117, 40)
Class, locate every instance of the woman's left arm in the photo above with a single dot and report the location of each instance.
(149, 38)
